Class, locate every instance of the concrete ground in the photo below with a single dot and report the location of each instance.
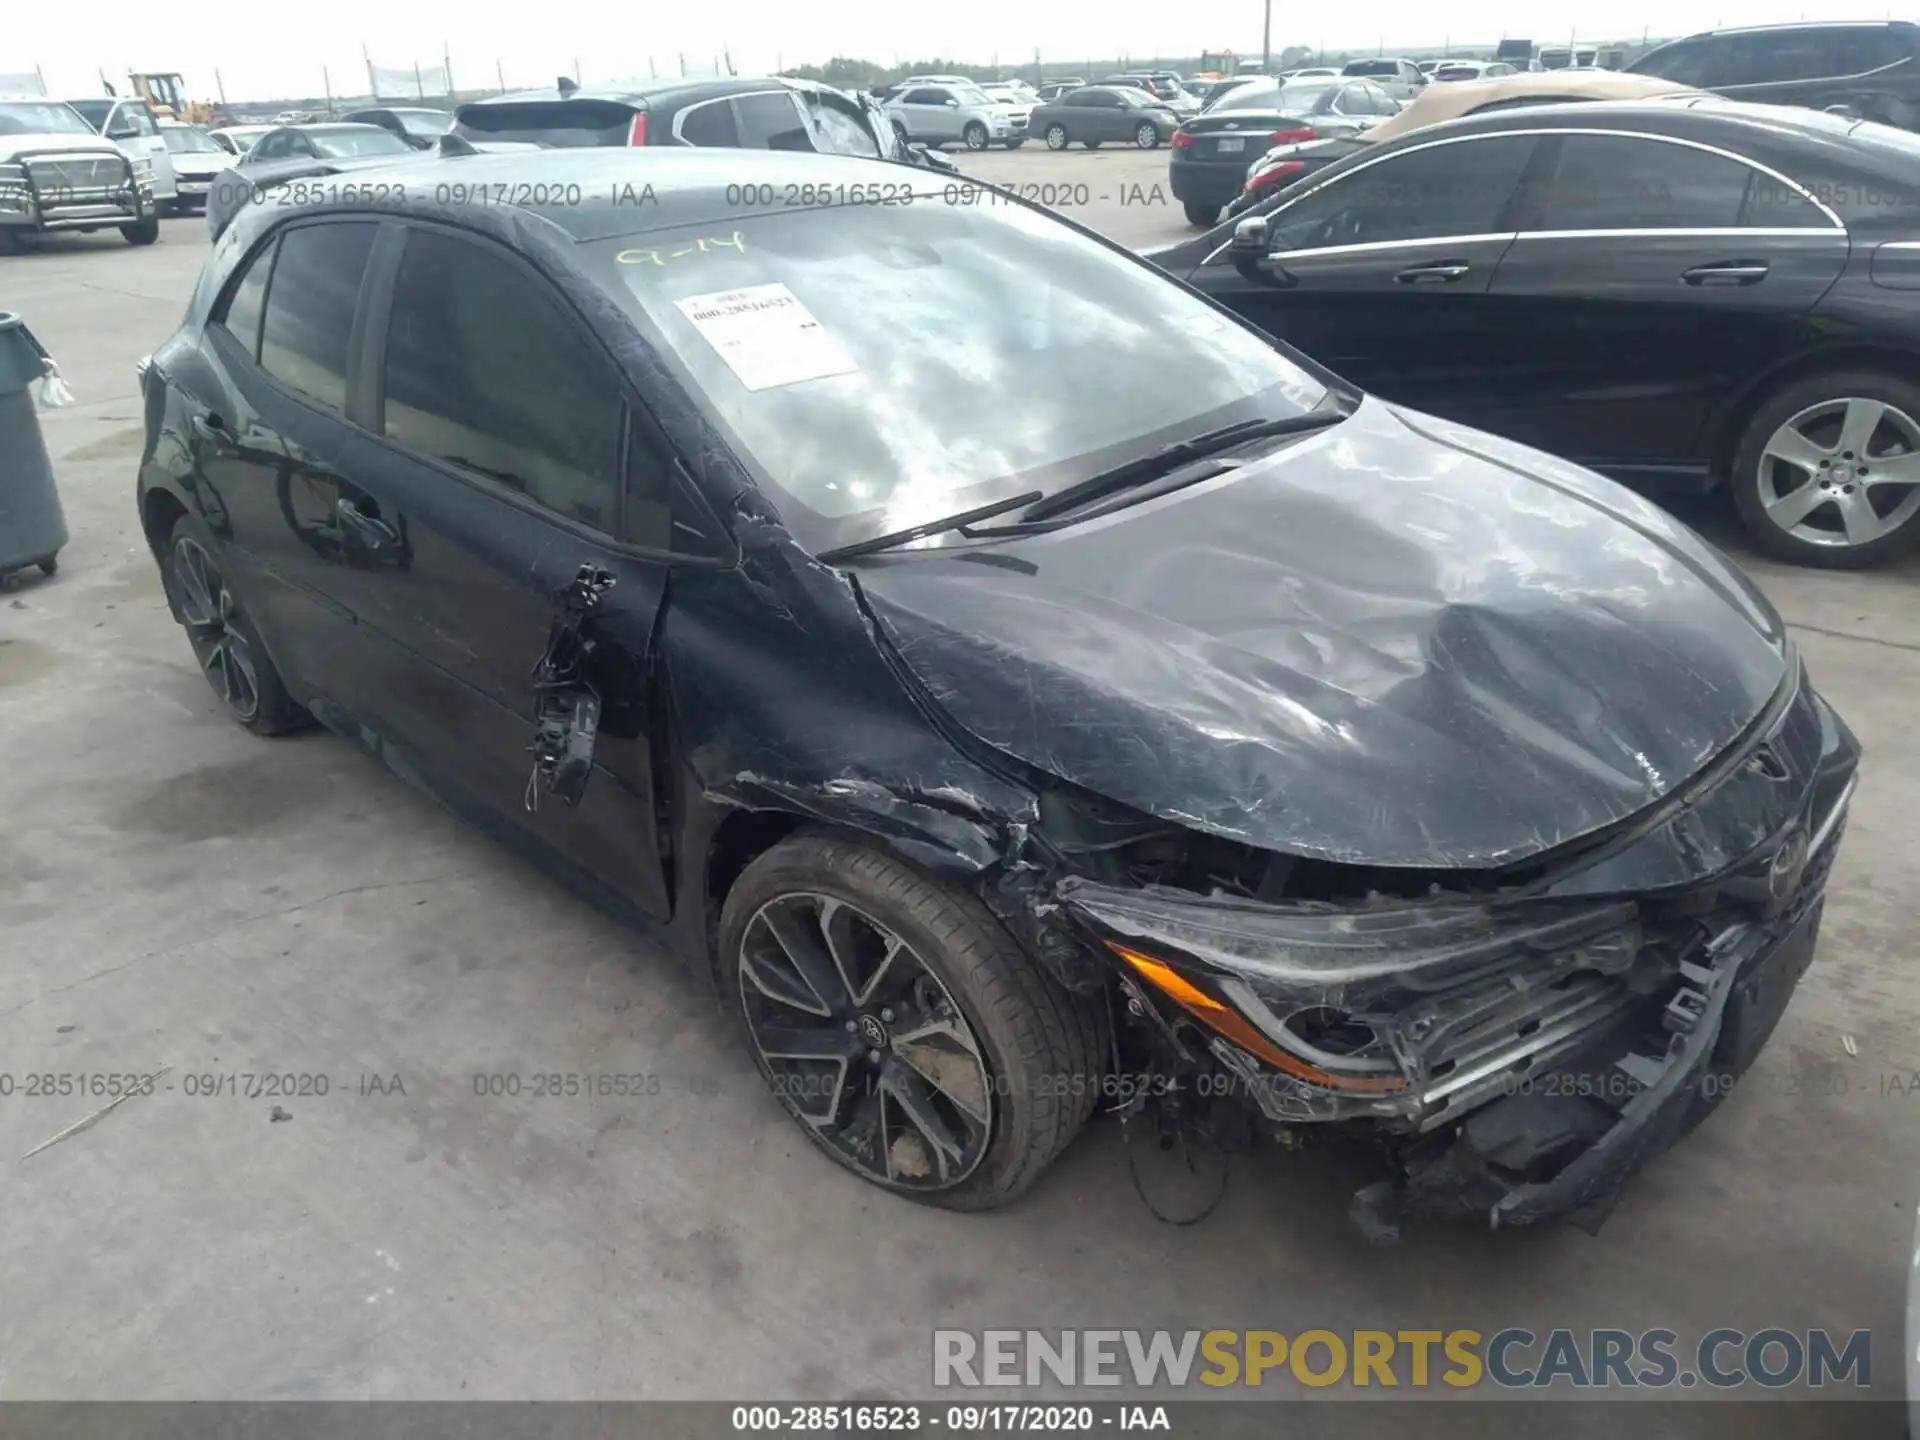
(179, 897)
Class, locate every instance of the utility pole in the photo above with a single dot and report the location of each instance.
(1266, 39)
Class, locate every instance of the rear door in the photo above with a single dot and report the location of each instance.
(1652, 277)
(1383, 270)
(265, 444)
(509, 455)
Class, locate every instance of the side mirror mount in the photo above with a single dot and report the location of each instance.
(952, 104)
(122, 132)
(1251, 251)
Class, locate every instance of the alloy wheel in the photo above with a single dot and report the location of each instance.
(209, 609)
(864, 1043)
(1842, 473)
(1146, 137)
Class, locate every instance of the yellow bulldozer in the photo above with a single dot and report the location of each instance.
(166, 93)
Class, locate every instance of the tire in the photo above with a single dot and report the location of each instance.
(1015, 144)
(142, 232)
(9, 242)
(1036, 1050)
(1202, 217)
(48, 564)
(975, 135)
(1091, 144)
(1858, 518)
(224, 641)
(1057, 137)
(1146, 137)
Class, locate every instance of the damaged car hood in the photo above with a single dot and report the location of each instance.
(1397, 643)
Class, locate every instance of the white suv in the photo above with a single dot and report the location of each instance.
(56, 173)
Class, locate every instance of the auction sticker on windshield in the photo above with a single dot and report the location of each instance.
(766, 336)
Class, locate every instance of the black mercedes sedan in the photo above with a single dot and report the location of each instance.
(1057, 691)
(1211, 151)
(1677, 293)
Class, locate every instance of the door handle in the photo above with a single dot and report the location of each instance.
(1439, 272)
(209, 427)
(372, 530)
(1727, 272)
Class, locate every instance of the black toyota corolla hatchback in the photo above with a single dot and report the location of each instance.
(1009, 678)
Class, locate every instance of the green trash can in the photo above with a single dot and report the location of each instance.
(32, 526)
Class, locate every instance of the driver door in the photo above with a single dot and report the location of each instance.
(1382, 273)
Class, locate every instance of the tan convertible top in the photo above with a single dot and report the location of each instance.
(1450, 99)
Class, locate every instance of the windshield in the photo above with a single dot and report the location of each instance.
(880, 366)
(185, 140)
(1376, 68)
(563, 124)
(371, 141)
(1303, 97)
(94, 112)
(42, 118)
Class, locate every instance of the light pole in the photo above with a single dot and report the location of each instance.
(1266, 39)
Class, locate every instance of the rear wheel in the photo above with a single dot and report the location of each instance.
(975, 135)
(1091, 144)
(1827, 472)
(1145, 136)
(1015, 144)
(224, 641)
(1057, 137)
(1200, 215)
(902, 1027)
(142, 232)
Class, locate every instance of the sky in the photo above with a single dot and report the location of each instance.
(269, 52)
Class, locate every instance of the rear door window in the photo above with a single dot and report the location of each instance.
(1685, 62)
(247, 301)
(305, 337)
(487, 372)
(1854, 50)
(1611, 182)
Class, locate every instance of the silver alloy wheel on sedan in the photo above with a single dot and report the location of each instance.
(1146, 136)
(1057, 137)
(863, 1043)
(208, 607)
(1842, 473)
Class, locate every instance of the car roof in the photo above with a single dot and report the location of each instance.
(602, 193)
(1792, 25)
(1700, 115)
(1439, 103)
(324, 127)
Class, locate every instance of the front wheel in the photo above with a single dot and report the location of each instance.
(1827, 472)
(1091, 144)
(1146, 137)
(1200, 215)
(1057, 137)
(900, 1025)
(975, 135)
(142, 232)
(1016, 143)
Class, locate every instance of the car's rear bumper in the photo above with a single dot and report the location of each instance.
(1207, 182)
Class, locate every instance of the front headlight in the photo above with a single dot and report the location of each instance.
(1334, 994)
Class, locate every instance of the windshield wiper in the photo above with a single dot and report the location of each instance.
(1170, 457)
(927, 527)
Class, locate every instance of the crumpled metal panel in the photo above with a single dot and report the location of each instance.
(1366, 647)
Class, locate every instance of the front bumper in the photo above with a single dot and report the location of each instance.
(61, 190)
(1529, 1075)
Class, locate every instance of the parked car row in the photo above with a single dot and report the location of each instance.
(734, 112)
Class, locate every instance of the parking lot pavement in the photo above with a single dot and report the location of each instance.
(182, 899)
